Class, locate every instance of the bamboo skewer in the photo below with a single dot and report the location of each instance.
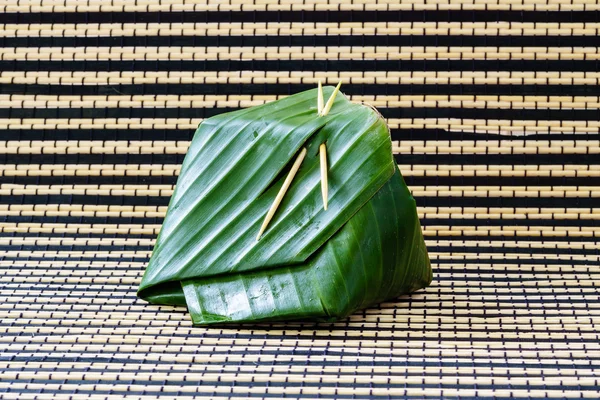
(323, 148)
(320, 100)
(282, 191)
(322, 111)
(324, 184)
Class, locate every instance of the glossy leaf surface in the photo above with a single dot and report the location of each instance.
(378, 255)
(233, 170)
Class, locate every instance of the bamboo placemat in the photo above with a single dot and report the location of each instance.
(493, 107)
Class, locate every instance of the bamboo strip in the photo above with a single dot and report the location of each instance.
(488, 298)
(495, 126)
(108, 268)
(508, 212)
(407, 170)
(433, 190)
(99, 123)
(303, 77)
(152, 230)
(88, 396)
(370, 320)
(546, 244)
(103, 190)
(493, 340)
(542, 296)
(479, 244)
(482, 306)
(299, 369)
(229, 390)
(89, 170)
(77, 241)
(501, 170)
(495, 28)
(237, 101)
(120, 229)
(459, 310)
(134, 278)
(291, 5)
(457, 270)
(460, 331)
(512, 231)
(79, 210)
(581, 146)
(131, 275)
(118, 254)
(486, 126)
(297, 53)
(506, 191)
(274, 377)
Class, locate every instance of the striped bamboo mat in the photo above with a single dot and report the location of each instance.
(494, 112)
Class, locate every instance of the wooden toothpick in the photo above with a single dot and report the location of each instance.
(324, 187)
(281, 193)
(329, 104)
(320, 100)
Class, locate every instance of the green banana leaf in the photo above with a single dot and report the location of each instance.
(310, 263)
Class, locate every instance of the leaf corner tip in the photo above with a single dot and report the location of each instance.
(330, 101)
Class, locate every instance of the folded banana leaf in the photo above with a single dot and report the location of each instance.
(310, 263)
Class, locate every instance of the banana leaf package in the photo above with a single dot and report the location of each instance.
(293, 210)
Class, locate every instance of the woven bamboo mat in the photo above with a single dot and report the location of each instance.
(494, 111)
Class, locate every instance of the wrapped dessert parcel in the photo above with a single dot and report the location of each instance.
(293, 210)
